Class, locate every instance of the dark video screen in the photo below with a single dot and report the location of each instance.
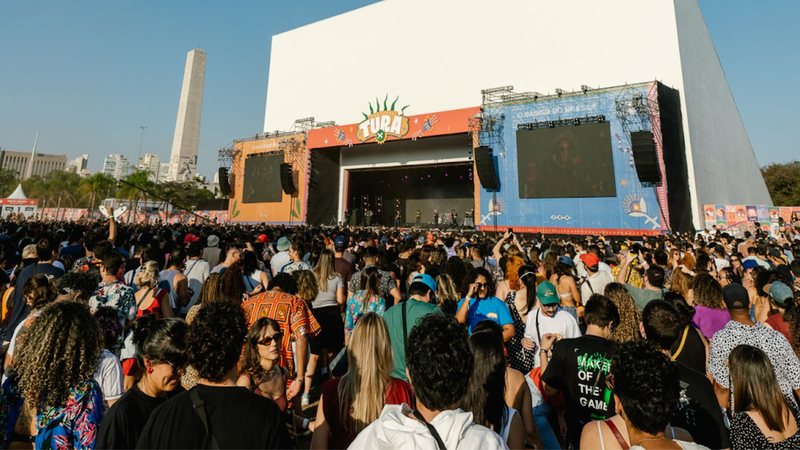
(566, 161)
(262, 179)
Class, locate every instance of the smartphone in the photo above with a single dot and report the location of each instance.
(510, 231)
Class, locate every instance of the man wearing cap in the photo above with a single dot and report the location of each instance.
(596, 280)
(342, 264)
(549, 318)
(403, 317)
(212, 250)
(780, 296)
(281, 258)
(741, 330)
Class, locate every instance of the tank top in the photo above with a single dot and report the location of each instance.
(507, 425)
(169, 277)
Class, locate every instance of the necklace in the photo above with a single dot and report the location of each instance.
(656, 438)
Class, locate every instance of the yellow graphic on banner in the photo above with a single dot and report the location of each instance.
(381, 123)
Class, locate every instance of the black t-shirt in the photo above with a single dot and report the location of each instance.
(20, 308)
(237, 418)
(125, 420)
(699, 412)
(693, 353)
(579, 368)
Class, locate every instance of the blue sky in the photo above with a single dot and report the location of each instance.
(87, 74)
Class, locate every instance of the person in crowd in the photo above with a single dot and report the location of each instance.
(646, 391)
(173, 276)
(485, 397)
(216, 413)
(479, 303)
(108, 373)
(233, 253)
(710, 314)
(563, 279)
(403, 317)
(762, 417)
(344, 267)
(255, 279)
(326, 308)
(596, 279)
(577, 367)
(161, 355)
(196, 272)
(548, 318)
(281, 304)
(281, 258)
(447, 295)
(367, 299)
(296, 252)
(75, 286)
(629, 317)
(743, 330)
(653, 281)
(52, 399)
(350, 403)
(440, 365)
(46, 252)
(208, 293)
(387, 282)
(698, 412)
(113, 293)
(784, 315)
(259, 370)
(521, 355)
(691, 349)
(211, 252)
(37, 293)
(510, 283)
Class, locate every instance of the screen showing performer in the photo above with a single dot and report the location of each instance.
(566, 161)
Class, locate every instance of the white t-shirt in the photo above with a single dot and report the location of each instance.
(598, 282)
(277, 262)
(196, 272)
(561, 323)
(108, 375)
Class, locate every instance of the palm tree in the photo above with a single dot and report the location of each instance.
(97, 185)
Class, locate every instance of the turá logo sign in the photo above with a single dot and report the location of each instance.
(381, 123)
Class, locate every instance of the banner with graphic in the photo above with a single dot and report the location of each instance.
(770, 218)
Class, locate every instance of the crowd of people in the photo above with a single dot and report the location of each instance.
(207, 336)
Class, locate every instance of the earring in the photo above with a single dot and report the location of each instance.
(149, 369)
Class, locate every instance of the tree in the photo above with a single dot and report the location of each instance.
(783, 182)
(96, 187)
(8, 182)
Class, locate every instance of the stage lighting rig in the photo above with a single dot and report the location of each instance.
(559, 92)
(584, 88)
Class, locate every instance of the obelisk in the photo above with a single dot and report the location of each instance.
(183, 160)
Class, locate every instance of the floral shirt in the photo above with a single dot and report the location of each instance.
(72, 426)
(358, 305)
(118, 296)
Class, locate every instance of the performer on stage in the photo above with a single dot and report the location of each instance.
(454, 218)
(368, 217)
(436, 216)
(418, 217)
(397, 218)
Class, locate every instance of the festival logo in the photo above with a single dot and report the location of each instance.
(381, 123)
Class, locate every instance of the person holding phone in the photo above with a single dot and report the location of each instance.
(479, 303)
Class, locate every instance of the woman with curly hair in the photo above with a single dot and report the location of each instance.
(231, 286)
(520, 350)
(52, 399)
(161, 356)
(216, 413)
(355, 400)
(629, 317)
(37, 293)
(710, 314)
(210, 292)
(479, 303)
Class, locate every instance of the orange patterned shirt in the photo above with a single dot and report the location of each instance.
(293, 315)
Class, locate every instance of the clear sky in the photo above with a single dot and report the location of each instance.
(87, 74)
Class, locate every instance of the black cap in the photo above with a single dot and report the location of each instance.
(736, 296)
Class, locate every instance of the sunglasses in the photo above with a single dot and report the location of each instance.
(267, 340)
(481, 285)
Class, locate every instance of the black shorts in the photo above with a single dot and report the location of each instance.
(331, 335)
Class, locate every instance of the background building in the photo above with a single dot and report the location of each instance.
(79, 165)
(43, 163)
(183, 160)
(116, 166)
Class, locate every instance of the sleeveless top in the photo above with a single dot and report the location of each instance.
(282, 401)
(169, 277)
(519, 358)
(507, 425)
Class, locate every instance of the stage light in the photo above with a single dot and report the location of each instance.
(576, 122)
(559, 92)
(584, 88)
(551, 124)
(601, 119)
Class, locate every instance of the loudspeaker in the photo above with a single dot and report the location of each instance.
(487, 172)
(224, 182)
(644, 157)
(287, 180)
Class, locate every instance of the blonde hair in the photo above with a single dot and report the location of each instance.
(446, 290)
(306, 285)
(362, 389)
(325, 269)
(629, 318)
(148, 275)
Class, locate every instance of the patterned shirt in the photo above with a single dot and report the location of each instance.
(387, 282)
(771, 342)
(358, 305)
(118, 296)
(293, 315)
(71, 426)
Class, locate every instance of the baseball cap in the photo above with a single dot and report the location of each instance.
(213, 240)
(564, 259)
(425, 279)
(735, 296)
(340, 242)
(590, 259)
(780, 293)
(262, 238)
(748, 264)
(547, 293)
(283, 244)
(189, 238)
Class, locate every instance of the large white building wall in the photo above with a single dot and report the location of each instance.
(438, 55)
(724, 167)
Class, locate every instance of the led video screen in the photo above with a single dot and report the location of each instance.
(262, 179)
(566, 162)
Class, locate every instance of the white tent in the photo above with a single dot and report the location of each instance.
(18, 194)
(18, 202)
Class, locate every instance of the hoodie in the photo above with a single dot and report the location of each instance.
(394, 429)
